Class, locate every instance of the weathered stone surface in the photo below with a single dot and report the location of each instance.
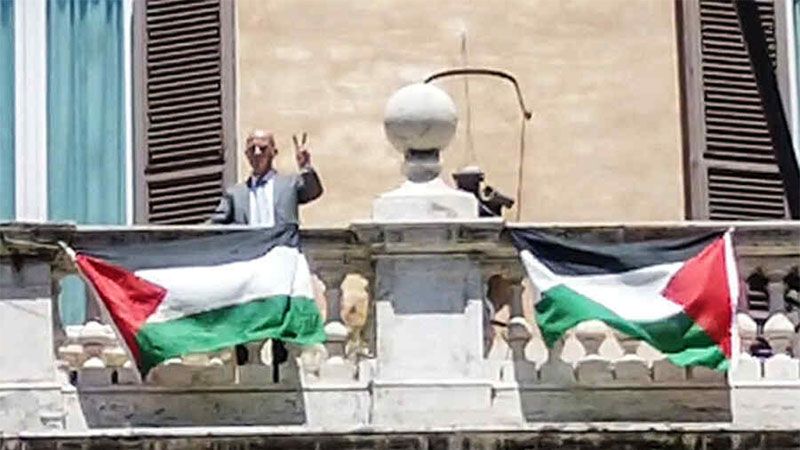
(126, 407)
(767, 404)
(429, 372)
(31, 406)
(635, 403)
(25, 311)
(581, 437)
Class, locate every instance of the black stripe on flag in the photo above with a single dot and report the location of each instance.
(573, 257)
(195, 251)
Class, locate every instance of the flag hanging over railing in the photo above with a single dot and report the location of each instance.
(168, 299)
(676, 294)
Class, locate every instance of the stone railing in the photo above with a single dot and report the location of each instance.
(593, 356)
(91, 355)
(765, 377)
(377, 359)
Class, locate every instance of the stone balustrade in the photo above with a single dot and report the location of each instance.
(94, 356)
(593, 354)
(781, 361)
(593, 374)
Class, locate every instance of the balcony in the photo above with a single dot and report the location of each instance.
(428, 364)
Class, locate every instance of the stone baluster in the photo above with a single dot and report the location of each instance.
(495, 345)
(630, 366)
(335, 366)
(128, 374)
(661, 369)
(593, 367)
(71, 352)
(196, 370)
(776, 290)
(335, 330)
(519, 334)
(258, 369)
(747, 330)
(779, 332)
(536, 351)
(745, 366)
(114, 355)
(94, 338)
(555, 370)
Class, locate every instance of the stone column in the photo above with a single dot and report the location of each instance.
(430, 369)
(518, 330)
(30, 394)
(334, 327)
(335, 368)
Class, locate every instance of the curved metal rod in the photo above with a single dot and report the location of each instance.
(527, 114)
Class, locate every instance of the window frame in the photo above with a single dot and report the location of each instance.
(688, 28)
(139, 103)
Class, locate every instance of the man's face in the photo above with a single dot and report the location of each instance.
(260, 151)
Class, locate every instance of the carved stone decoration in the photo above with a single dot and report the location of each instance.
(779, 332)
(593, 367)
(629, 366)
(420, 120)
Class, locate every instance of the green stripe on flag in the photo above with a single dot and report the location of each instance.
(291, 319)
(678, 337)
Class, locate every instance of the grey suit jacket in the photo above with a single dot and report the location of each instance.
(289, 191)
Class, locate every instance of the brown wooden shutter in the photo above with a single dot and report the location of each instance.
(732, 172)
(184, 100)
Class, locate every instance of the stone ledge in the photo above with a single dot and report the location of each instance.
(541, 435)
(530, 427)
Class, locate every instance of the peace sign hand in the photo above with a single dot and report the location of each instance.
(301, 154)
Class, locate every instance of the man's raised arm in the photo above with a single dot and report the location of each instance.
(309, 186)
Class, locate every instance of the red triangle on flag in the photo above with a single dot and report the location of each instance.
(129, 300)
(701, 287)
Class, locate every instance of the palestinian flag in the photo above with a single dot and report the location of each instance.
(676, 294)
(172, 298)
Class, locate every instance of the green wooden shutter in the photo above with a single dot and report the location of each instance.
(185, 108)
(731, 169)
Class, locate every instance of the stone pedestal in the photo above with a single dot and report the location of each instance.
(30, 393)
(430, 368)
(429, 200)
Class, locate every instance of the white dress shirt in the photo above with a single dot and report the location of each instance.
(262, 205)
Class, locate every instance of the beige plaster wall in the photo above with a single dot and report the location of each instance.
(600, 75)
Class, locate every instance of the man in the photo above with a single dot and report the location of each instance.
(267, 198)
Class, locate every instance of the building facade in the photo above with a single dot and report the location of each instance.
(126, 111)
(653, 114)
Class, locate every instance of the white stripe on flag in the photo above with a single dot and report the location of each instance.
(634, 295)
(194, 289)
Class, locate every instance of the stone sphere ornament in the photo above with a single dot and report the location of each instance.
(420, 120)
(420, 117)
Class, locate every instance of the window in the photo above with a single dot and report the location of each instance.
(86, 124)
(7, 160)
(184, 100)
(731, 170)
